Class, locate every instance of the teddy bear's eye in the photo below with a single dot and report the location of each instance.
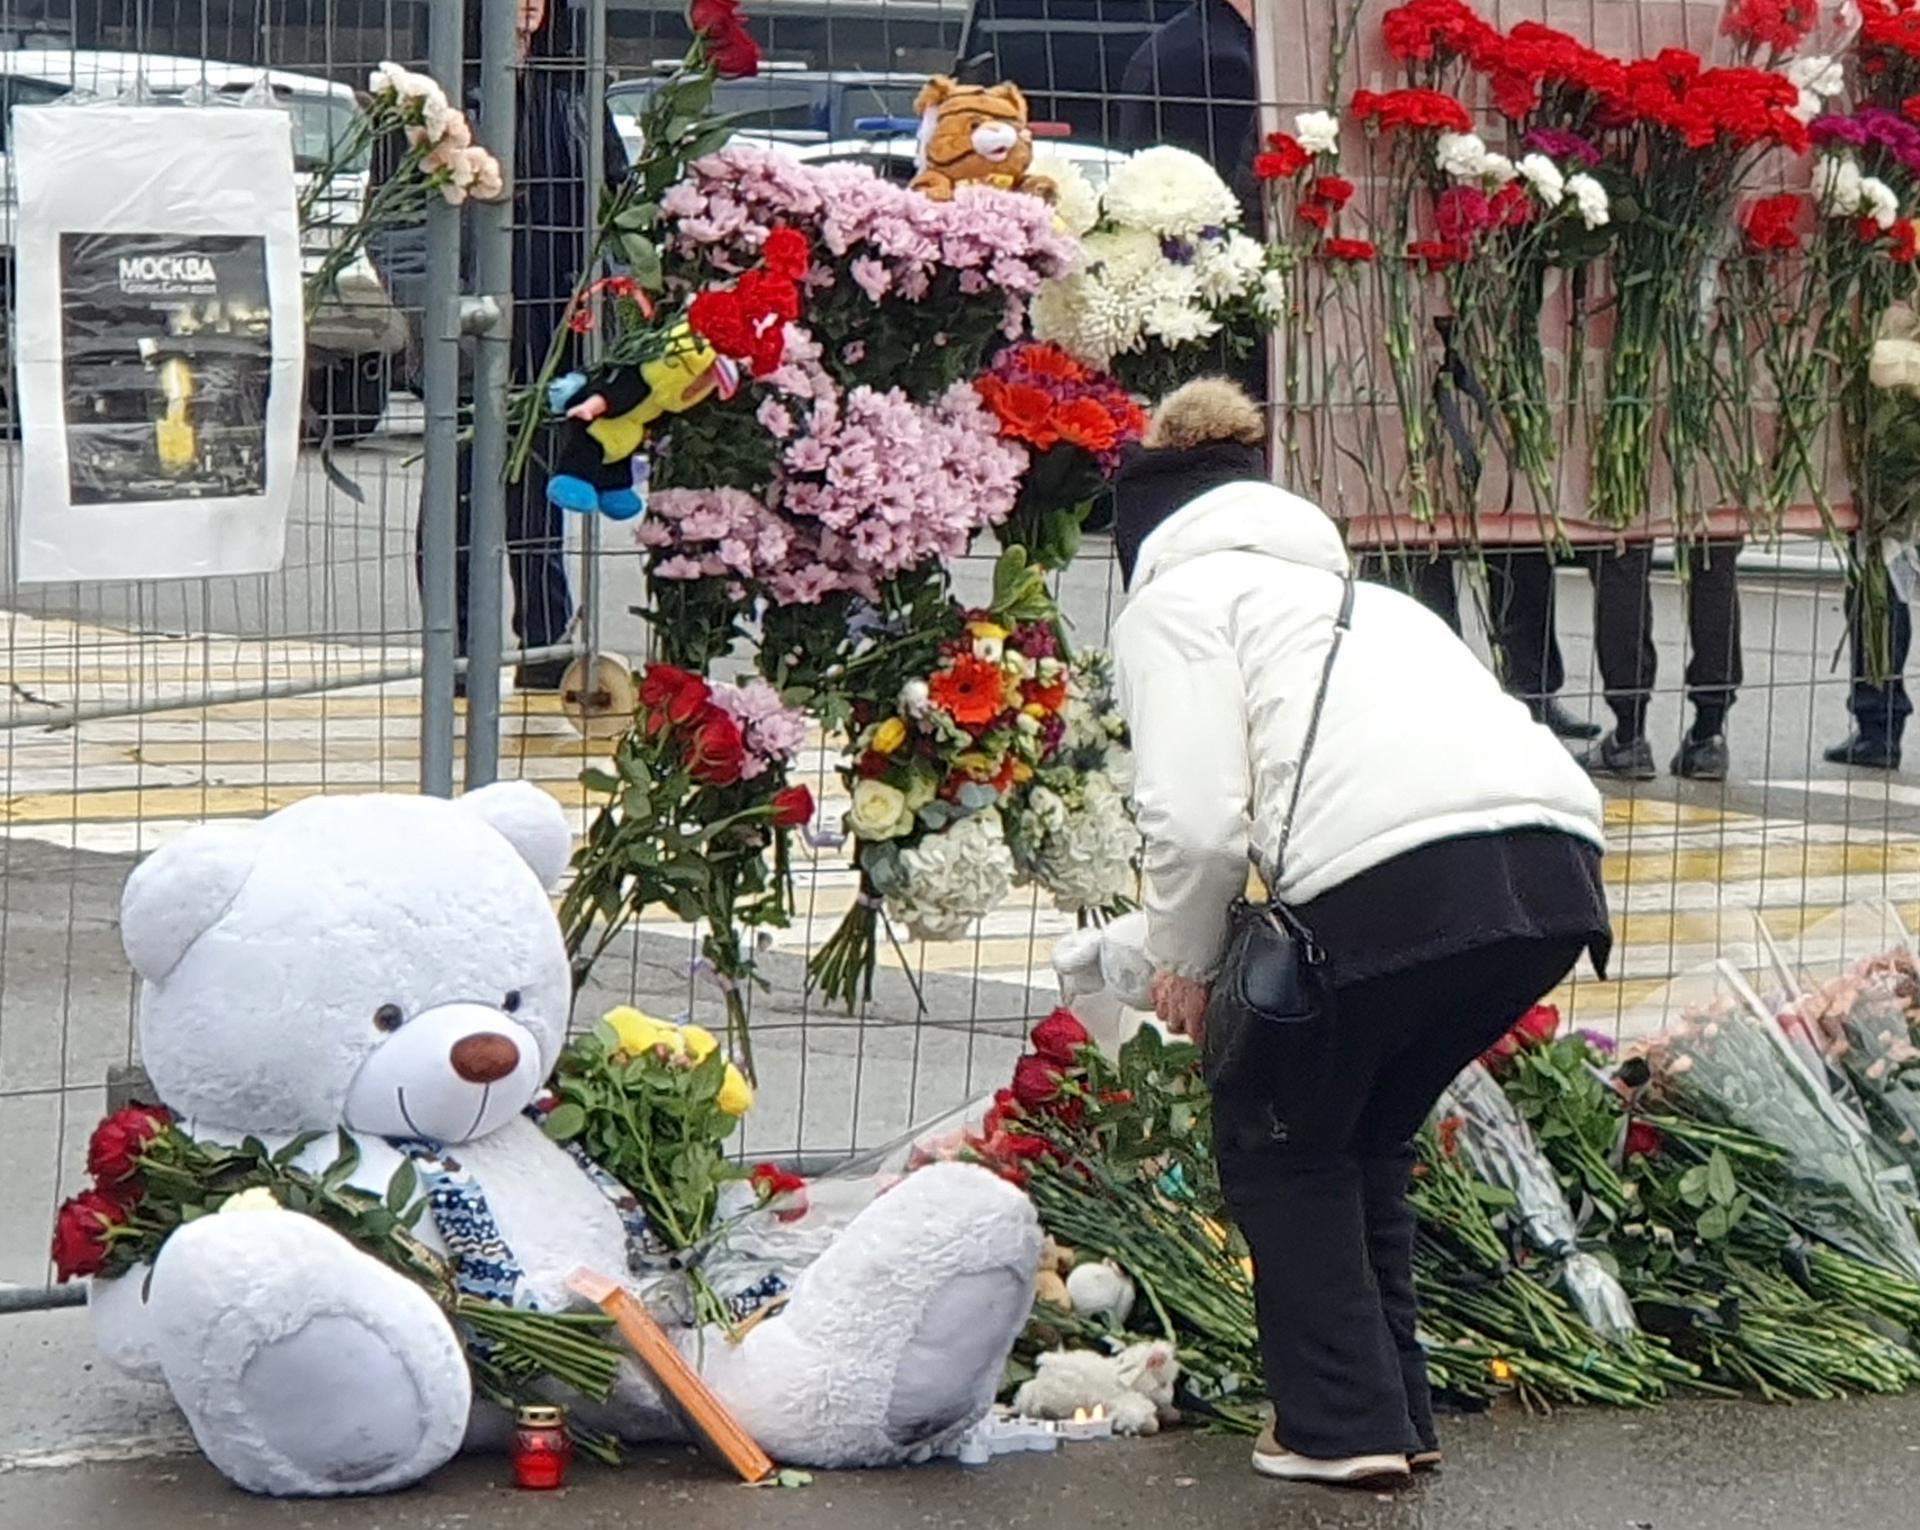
(511, 1003)
(388, 1018)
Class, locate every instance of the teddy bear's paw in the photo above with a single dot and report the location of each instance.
(304, 1366)
(896, 1337)
(122, 1327)
(1133, 1414)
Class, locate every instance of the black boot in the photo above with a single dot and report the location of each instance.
(1621, 759)
(1548, 712)
(1702, 759)
(1868, 751)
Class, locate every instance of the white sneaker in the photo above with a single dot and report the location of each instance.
(1272, 1459)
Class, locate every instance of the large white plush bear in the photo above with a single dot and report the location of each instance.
(392, 965)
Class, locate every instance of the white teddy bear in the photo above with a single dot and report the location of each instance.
(1135, 1387)
(392, 966)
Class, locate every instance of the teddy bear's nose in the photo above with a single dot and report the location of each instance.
(484, 1058)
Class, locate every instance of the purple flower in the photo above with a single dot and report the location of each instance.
(1598, 1040)
(1832, 129)
(1561, 143)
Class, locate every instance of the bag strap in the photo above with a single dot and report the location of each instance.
(1341, 624)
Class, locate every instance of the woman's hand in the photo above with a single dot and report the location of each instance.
(1181, 1004)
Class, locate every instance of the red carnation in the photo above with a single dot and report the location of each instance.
(1462, 213)
(716, 749)
(1285, 158)
(1332, 190)
(1036, 1082)
(1511, 207)
(1059, 1038)
(1436, 254)
(786, 253)
(1313, 213)
(1642, 1140)
(672, 696)
(792, 807)
(80, 1234)
(1355, 250)
(1906, 243)
(1770, 221)
(113, 1154)
(1005, 1108)
(1017, 1146)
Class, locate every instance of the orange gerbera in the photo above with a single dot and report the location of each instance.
(1024, 411)
(1051, 361)
(972, 692)
(1085, 423)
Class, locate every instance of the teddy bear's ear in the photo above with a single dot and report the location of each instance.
(933, 93)
(1011, 93)
(180, 892)
(533, 823)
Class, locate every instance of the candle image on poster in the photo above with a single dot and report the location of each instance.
(159, 342)
(169, 352)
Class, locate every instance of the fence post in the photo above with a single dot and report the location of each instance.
(492, 375)
(594, 142)
(440, 487)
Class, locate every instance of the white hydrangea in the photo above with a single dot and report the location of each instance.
(954, 878)
(1590, 198)
(1169, 192)
(1088, 862)
(1878, 201)
(1836, 185)
(1228, 268)
(1318, 132)
(1544, 176)
(1075, 203)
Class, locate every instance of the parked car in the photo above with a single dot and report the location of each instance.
(891, 151)
(785, 103)
(352, 335)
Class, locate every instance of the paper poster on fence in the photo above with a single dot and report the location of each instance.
(159, 340)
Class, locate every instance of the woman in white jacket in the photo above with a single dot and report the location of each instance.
(1444, 855)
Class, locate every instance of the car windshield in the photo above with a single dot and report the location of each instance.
(322, 126)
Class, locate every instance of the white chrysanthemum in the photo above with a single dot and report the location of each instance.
(1228, 268)
(1075, 203)
(1461, 155)
(1590, 197)
(1272, 297)
(1836, 185)
(1318, 132)
(1878, 202)
(1169, 192)
(1544, 176)
(954, 878)
(1175, 323)
(1088, 862)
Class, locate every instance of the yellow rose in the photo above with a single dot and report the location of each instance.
(889, 736)
(976, 765)
(879, 811)
(992, 631)
(699, 1041)
(736, 1094)
(636, 1032)
(1022, 771)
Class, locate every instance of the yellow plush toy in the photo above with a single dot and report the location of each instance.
(606, 423)
(974, 133)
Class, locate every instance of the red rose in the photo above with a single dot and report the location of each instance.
(716, 749)
(1036, 1081)
(114, 1151)
(1059, 1038)
(80, 1234)
(1537, 1025)
(1005, 1108)
(1642, 1141)
(729, 47)
(792, 807)
(786, 253)
(1017, 1146)
(673, 694)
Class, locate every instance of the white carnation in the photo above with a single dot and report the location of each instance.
(1075, 203)
(1498, 169)
(1878, 202)
(1169, 192)
(1461, 155)
(1272, 297)
(1836, 186)
(1590, 197)
(1819, 73)
(1544, 176)
(954, 878)
(1318, 132)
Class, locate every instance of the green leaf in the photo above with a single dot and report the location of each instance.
(789, 1477)
(642, 258)
(1693, 1186)
(1721, 1184)
(1715, 1223)
(597, 780)
(401, 1187)
(566, 1122)
(285, 1157)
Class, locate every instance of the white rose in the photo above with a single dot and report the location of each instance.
(1543, 175)
(879, 811)
(915, 698)
(1591, 199)
(1878, 202)
(259, 1198)
(1318, 132)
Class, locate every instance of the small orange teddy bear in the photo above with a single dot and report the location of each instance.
(974, 133)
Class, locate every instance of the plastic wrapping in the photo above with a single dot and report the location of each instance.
(160, 339)
(1501, 1150)
(1727, 1063)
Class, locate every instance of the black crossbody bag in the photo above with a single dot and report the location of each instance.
(1274, 972)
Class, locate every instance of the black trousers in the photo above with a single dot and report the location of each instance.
(1880, 707)
(536, 566)
(1623, 631)
(1314, 1138)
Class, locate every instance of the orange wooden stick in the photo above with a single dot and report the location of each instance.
(698, 1408)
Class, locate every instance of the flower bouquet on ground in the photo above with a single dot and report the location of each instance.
(698, 813)
(1167, 286)
(1075, 423)
(932, 764)
(151, 1177)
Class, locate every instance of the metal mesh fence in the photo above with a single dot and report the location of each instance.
(134, 711)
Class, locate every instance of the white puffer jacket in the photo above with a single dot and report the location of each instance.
(1219, 653)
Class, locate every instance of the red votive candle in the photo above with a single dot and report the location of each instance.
(541, 1450)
